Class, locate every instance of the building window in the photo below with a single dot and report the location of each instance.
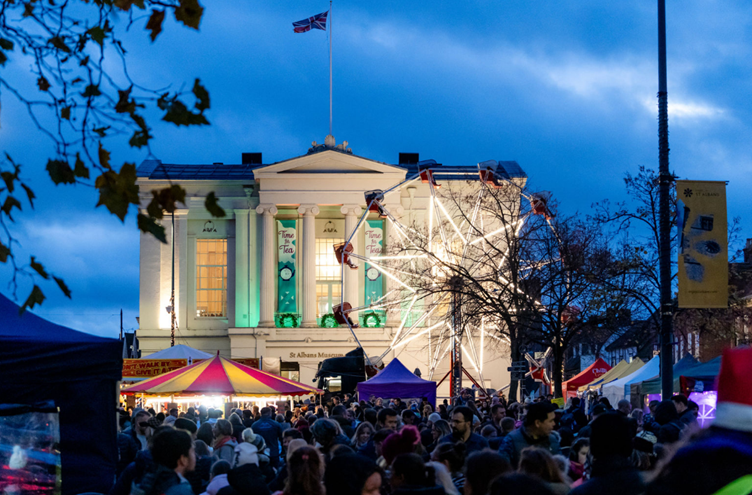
(328, 276)
(211, 278)
(290, 370)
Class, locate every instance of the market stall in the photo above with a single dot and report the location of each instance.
(589, 374)
(619, 389)
(66, 380)
(218, 380)
(396, 381)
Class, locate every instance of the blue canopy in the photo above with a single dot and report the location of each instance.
(42, 361)
(396, 381)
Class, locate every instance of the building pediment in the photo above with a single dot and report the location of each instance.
(328, 162)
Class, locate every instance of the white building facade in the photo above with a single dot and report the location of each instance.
(261, 282)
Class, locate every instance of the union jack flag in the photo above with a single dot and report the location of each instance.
(316, 22)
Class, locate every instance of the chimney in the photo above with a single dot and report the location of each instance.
(252, 159)
(409, 158)
(748, 251)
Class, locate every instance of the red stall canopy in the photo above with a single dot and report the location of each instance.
(591, 373)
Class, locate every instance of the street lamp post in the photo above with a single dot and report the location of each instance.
(665, 179)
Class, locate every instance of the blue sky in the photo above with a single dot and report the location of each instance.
(567, 89)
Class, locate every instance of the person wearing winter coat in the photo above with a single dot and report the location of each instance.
(671, 426)
(611, 448)
(411, 476)
(174, 456)
(224, 443)
(536, 431)
(218, 478)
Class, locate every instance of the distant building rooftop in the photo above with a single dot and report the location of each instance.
(156, 170)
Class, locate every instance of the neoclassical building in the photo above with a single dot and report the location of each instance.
(262, 281)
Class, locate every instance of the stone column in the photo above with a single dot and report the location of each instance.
(394, 314)
(242, 266)
(268, 264)
(309, 213)
(352, 285)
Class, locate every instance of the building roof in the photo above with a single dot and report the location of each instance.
(156, 170)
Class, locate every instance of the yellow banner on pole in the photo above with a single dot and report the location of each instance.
(703, 244)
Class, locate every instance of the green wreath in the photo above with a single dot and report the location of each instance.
(371, 320)
(329, 321)
(288, 320)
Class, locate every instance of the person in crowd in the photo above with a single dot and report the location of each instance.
(353, 475)
(671, 426)
(237, 427)
(443, 478)
(574, 417)
(410, 475)
(174, 456)
(280, 418)
(610, 449)
(205, 433)
(141, 430)
(409, 417)
(271, 432)
(404, 441)
(246, 449)
(289, 435)
(327, 434)
(462, 431)
(277, 484)
(518, 484)
(218, 481)
(638, 416)
(539, 462)
(648, 420)
(224, 443)
(245, 478)
(481, 468)
(247, 418)
(507, 427)
(597, 411)
(172, 415)
(498, 413)
(370, 415)
(387, 418)
(201, 475)
(686, 415)
(536, 431)
(187, 425)
(439, 430)
(624, 407)
(453, 457)
(362, 435)
(304, 473)
(340, 415)
(578, 457)
(373, 449)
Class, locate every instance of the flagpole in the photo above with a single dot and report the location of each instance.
(330, 67)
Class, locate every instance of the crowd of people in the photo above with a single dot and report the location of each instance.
(395, 447)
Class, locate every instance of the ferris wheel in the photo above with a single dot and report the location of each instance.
(421, 267)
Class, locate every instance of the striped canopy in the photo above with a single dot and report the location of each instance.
(220, 376)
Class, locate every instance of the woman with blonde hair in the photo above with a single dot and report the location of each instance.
(363, 434)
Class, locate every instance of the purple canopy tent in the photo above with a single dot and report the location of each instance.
(397, 381)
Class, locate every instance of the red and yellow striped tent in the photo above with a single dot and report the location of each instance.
(220, 376)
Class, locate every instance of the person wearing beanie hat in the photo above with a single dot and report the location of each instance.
(187, 425)
(720, 458)
(611, 448)
(401, 442)
(433, 417)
